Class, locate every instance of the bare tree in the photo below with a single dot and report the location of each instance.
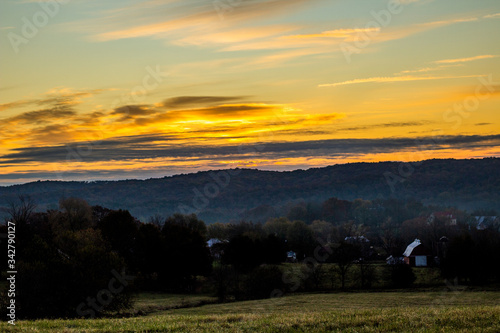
(20, 210)
(77, 213)
(344, 256)
(316, 273)
(157, 220)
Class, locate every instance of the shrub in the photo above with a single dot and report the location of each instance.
(262, 281)
(402, 276)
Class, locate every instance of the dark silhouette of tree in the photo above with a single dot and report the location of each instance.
(223, 279)
(120, 229)
(278, 227)
(262, 281)
(149, 255)
(315, 273)
(402, 275)
(471, 257)
(335, 210)
(390, 239)
(218, 231)
(366, 273)
(20, 212)
(273, 250)
(99, 213)
(301, 240)
(186, 254)
(189, 221)
(243, 253)
(157, 220)
(77, 213)
(344, 256)
(59, 268)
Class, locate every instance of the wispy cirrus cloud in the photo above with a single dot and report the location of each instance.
(446, 63)
(469, 59)
(427, 69)
(189, 16)
(496, 15)
(391, 79)
(338, 33)
(235, 35)
(335, 37)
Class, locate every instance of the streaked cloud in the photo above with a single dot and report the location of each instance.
(428, 69)
(391, 79)
(460, 60)
(141, 147)
(188, 101)
(194, 17)
(41, 116)
(497, 15)
(339, 33)
(387, 125)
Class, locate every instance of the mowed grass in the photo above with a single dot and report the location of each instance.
(337, 312)
(155, 302)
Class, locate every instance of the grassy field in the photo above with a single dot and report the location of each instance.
(153, 302)
(465, 311)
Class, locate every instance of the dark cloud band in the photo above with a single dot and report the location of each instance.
(165, 146)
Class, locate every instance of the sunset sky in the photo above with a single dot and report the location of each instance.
(122, 89)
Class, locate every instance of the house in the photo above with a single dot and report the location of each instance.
(291, 256)
(216, 247)
(212, 241)
(417, 255)
(483, 222)
(390, 260)
(447, 217)
(364, 243)
(356, 239)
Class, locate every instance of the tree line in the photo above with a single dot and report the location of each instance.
(69, 260)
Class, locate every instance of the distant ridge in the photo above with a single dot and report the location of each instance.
(252, 194)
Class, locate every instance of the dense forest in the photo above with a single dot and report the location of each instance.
(233, 195)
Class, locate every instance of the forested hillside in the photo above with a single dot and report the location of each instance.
(222, 196)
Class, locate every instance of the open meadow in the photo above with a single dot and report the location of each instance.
(433, 311)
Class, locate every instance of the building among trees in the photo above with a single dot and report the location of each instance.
(417, 255)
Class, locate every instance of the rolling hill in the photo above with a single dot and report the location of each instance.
(222, 196)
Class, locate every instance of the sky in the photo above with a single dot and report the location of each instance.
(122, 89)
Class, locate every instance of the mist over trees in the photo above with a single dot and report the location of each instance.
(254, 195)
(86, 261)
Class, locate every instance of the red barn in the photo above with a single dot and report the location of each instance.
(417, 255)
